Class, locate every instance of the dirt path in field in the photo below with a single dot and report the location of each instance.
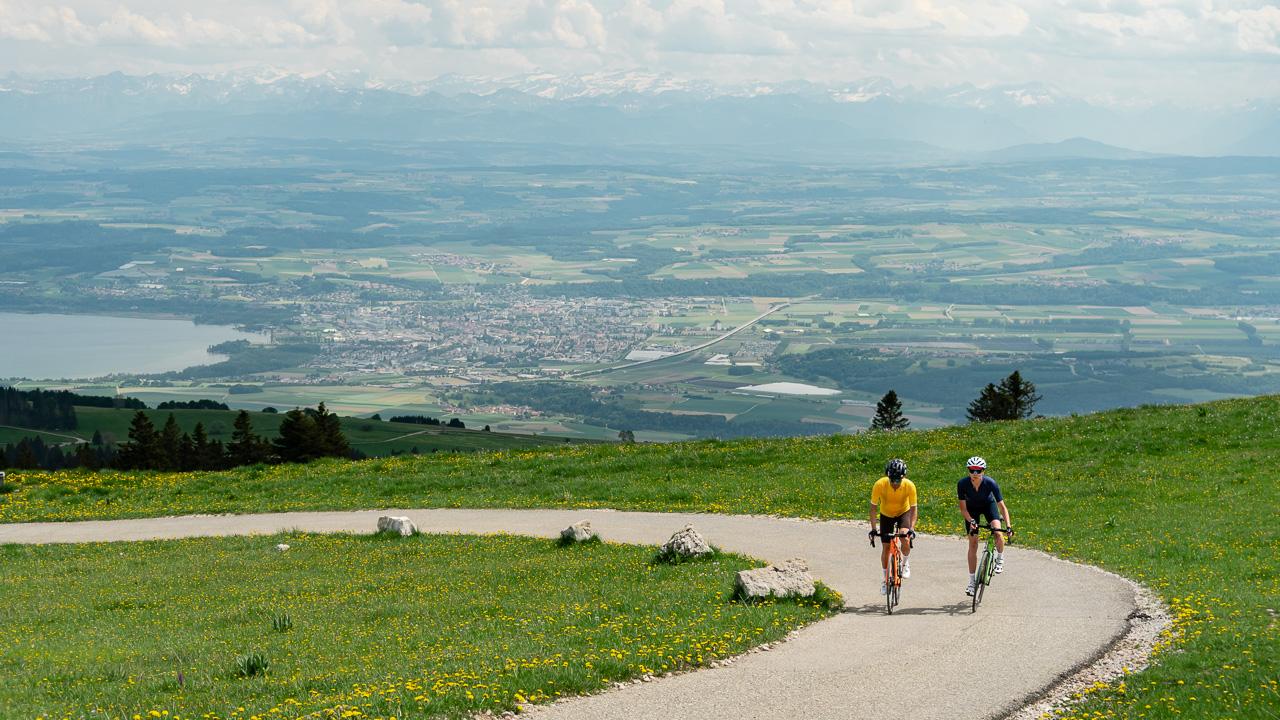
(933, 659)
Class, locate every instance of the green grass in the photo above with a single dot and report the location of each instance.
(1181, 498)
(428, 625)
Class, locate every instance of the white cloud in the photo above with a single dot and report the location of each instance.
(1109, 45)
(1257, 30)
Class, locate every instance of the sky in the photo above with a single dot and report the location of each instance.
(1189, 52)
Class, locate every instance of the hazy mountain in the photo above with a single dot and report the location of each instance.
(1071, 148)
(868, 119)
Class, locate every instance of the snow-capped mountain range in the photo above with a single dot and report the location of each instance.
(612, 108)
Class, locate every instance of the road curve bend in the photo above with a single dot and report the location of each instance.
(931, 660)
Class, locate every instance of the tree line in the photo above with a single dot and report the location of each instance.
(304, 435)
(52, 409)
(1013, 399)
(424, 420)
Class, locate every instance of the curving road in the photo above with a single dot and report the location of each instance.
(932, 660)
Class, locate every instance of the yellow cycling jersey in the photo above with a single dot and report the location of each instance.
(893, 502)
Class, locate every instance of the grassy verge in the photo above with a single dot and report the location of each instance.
(354, 626)
(1181, 498)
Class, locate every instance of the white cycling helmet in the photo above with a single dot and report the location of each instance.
(976, 462)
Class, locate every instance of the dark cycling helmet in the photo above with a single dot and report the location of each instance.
(896, 469)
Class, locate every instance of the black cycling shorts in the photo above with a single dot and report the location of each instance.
(890, 525)
(992, 512)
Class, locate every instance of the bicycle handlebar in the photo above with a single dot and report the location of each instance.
(885, 537)
(1007, 531)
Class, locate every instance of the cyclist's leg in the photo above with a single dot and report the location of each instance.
(996, 521)
(903, 545)
(973, 551)
(888, 526)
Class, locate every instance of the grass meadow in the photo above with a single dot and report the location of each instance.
(343, 626)
(1180, 498)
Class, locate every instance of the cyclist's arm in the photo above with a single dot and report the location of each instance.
(1004, 513)
(964, 510)
(875, 515)
(911, 518)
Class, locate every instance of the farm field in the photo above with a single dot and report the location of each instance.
(341, 624)
(1122, 489)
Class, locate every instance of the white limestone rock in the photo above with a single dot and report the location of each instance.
(789, 579)
(687, 543)
(398, 525)
(282, 547)
(578, 532)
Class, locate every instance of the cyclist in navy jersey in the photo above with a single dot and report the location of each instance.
(979, 497)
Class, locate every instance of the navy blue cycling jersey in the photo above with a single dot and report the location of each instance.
(981, 498)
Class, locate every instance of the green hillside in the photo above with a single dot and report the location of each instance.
(373, 437)
(1181, 498)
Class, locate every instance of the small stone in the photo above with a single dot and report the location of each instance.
(687, 543)
(396, 525)
(578, 532)
(282, 547)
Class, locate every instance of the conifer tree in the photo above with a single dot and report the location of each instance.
(889, 414)
(329, 431)
(988, 406)
(246, 447)
(208, 455)
(171, 445)
(1020, 396)
(1014, 399)
(142, 451)
(299, 440)
(186, 456)
(26, 456)
(87, 457)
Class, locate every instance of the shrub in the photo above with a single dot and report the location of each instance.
(252, 665)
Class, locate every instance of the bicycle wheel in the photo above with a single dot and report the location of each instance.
(897, 591)
(979, 584)
(892, 585)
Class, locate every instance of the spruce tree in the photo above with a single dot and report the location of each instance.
(1020, 396)
(1013, 399)
(990, 405)
(329, 431)
(171, 445)
(26, 456)
(87, 457)
(889, 414)
(208, 455)
(142, 451)
(186, 455)
(299, 440)
(246, 447)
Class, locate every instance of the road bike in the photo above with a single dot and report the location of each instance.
(893, 588)
(987, 562)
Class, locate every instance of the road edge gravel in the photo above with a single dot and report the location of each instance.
(1128, 652)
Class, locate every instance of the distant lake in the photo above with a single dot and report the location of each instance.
(45, 347)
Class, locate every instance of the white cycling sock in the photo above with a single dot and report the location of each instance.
(999, 556)
(973, 577)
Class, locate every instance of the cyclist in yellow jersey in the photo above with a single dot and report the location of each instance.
(893, 507)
